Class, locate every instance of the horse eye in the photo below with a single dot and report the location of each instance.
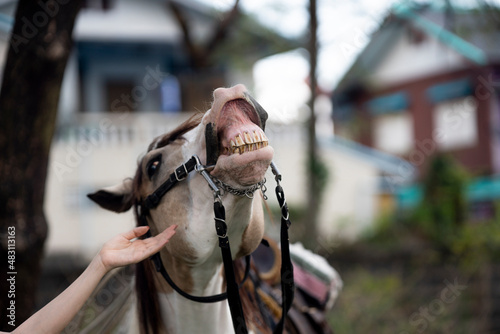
(153, 166)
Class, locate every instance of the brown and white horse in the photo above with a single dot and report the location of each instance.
(232, 132)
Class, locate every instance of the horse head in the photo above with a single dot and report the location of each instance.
(229, 140)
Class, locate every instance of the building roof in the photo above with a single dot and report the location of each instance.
(472, 33)
(152, 21)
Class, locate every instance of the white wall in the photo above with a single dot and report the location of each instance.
(349, 204)
(127, 19)
(408, 61)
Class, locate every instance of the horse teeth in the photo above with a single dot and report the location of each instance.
(256, 137)
(248, 138)
(239, 140)
(265, 141)
(248, 142)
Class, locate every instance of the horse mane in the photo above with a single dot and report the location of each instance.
(165, 139)
(148, 306)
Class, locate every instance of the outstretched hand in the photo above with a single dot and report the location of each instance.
(121, 251)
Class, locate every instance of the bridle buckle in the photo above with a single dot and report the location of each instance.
(179, 170)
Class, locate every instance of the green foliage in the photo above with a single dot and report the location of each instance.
(477, 244)
(438, 227)
(443, 208)
(368, 304)
(409, 257)
(385, 232)
(385, 302)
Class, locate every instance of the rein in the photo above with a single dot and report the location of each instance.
(219, 189)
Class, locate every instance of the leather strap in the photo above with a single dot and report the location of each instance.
(233, 295)
(178, 175)
(287, 281)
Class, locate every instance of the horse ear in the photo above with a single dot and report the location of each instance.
(117, 198)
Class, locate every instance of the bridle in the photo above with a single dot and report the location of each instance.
(218, 188)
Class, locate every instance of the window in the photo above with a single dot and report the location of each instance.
(393, 133)
(455, 123)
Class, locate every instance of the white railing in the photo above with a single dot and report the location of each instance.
(119, 129)
(112, 129)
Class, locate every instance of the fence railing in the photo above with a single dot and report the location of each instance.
(116, 129)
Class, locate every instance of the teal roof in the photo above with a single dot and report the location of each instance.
(466, 49)
(388, 103)
(484, 188)
(450, 90)
(480, 189)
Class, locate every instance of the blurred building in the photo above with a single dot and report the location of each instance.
(129, 79)
(428, 81)
(131, 55)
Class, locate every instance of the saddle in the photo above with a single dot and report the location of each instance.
(317, 287)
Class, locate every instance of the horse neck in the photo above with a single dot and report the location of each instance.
(193, 257)
(205, 275)
(181, 315)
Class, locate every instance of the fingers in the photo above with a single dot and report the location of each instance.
(136, 232)
(165, 236)
(170, 231)
(155, 243)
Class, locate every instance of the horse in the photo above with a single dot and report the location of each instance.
(219, 157)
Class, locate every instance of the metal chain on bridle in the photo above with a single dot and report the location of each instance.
(248, 192)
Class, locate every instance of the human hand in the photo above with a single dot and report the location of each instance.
(121, 251)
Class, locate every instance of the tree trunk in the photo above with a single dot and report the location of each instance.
(39, 48)
(310, 227)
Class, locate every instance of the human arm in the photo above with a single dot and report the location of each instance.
(118, 251)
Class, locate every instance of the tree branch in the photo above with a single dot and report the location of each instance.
(222, 28)
(199, 55)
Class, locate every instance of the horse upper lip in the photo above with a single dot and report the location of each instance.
(246, 141)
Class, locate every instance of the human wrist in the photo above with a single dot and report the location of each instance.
(99, 265)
